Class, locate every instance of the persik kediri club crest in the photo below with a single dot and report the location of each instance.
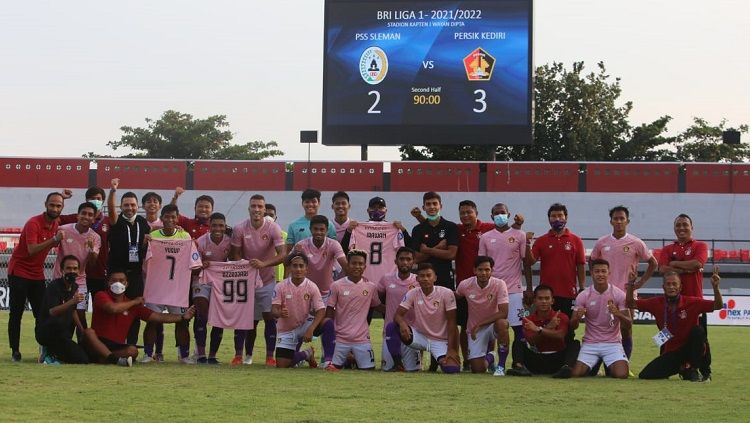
(479, 65)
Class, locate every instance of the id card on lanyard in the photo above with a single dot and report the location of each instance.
(664, 335)
(133, 250)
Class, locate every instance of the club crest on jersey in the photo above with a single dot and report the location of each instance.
(105, 227)
(688, 251)
(410, 288)
(568, 246)
(683, 314)
(441, 234)
(196, 256)
(489, 297)
(625, 249)
(511, 240)
(436, 303)
(306, 297)
(365, 292)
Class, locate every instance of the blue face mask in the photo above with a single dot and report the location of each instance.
(376, 215)
(500, 220)
(97, 204)
(558, 225)
(434, 217)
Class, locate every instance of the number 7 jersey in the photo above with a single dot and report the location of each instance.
(169, 263)
(233, 285)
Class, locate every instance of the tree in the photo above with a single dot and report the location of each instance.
(180, 136)
(577, 117)
(702, 142)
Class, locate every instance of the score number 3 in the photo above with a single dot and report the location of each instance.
(482, 104)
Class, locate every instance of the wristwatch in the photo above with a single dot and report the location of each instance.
(539, 332)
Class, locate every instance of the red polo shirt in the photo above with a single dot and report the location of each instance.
(35, 231)
(560, 257)
(468, 248)
(193, 226)
(679, 320)
(692, 283)
(114, 326)
(543, 343)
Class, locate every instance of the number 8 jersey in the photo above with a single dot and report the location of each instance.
(233, 286)
(168, 265)
(380, 240)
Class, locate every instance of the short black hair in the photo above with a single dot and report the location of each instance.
(557, 207)
(52, 194)
(205, 198)
(429, 195)
(293, 255)
(600, 262)
(621, 208)
(69, 257)
(93, 191)
(543, 287)
(149, 196)
(310, 194)
(129, 194)
(356, 253)
(169, 208)
(425, 266)
(340, 194)
(684, 216)
(270, 206)
(87, 205)
(217, 216)
(117, 270)
(405, 250)
(318, 219)
(469, 203)
(484, 259)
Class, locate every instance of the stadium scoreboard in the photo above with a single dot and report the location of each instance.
(427, 72)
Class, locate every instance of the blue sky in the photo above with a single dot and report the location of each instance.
(73, 72)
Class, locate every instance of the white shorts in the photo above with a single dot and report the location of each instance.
(201, 291)
(263, 298)
(420, 342)
(161, 308)
(83, 305)
(410, 358)
(608, 352)
(363, 355)
(478, 347)
(516, 311)
(289, 340)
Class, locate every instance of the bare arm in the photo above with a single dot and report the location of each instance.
(652, 265)
(61, 309)
(117, 308)
(34, 249)
(172, 318)
(581, 276)
(715, 279)
(330, 313)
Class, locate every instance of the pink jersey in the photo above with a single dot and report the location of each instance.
(320, 261)
(380, 240)
(508, 249)
(211, 251)
(483, 302)
(601, 325)
(233, 284)
(156, 224)
(393, 289)
(430, 311)
(74, 244)
(168, 266)
(622, 254)
(259, 244)
(300, 300)
(352, 302)
(340, 229)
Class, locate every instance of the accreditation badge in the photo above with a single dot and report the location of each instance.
(662, 337)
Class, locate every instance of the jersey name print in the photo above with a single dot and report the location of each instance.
(168, 266)
(380, 240)
(233, 285)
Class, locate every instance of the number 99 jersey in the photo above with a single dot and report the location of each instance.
(233, 285)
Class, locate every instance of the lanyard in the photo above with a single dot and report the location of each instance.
(137, 233)
(666, 312)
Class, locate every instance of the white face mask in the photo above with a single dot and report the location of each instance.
(117, 288)
(268, 219)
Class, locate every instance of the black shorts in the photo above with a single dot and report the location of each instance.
(112, 345)
(462, 312)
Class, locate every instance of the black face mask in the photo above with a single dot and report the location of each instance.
(70, 277)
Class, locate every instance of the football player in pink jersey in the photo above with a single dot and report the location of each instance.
(299, 308)
(434, 328)
(259, 241)
(213, 246)
(487, 299)
(351, 299)
(322, 255)
(623, 251)
(340, 205)
(391, 289)
(603, 305)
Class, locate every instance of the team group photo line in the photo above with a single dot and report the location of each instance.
(456, 293)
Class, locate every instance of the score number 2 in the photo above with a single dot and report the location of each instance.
(372, 109)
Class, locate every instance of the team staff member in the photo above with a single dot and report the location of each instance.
(680, 336)
(114, 313)
(199, 225)
(96, 270)
(126, 245)
(543, 348)
(54, 328)
(26, 266)
(436, 240)
(563, 258)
